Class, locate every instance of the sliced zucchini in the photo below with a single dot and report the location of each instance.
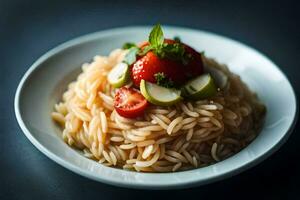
(158, 95)
(201, 87)
(119, 75)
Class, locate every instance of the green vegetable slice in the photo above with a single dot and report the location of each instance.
(119, 75)
(201, 87)
(158, 95)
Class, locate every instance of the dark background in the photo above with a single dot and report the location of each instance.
(30, 28)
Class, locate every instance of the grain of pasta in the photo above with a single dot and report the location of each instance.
(185, 136)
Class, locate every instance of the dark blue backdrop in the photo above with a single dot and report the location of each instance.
(30, 28)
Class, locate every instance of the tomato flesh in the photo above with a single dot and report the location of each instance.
(129, 102)
(149, 65)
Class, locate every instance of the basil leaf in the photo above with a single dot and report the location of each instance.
(175, 51)
(130, 57)
(128, 45)
(156, 37)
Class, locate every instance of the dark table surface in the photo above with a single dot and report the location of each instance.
(30, 28)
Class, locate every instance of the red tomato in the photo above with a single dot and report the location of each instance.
(147, 66)
(129, 102)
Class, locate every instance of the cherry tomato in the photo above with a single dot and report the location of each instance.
(129, 102)
(147, 66)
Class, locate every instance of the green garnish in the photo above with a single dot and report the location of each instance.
(163, 81)
(128, 45)
(175, 51)
(130, 57)
(156, 37)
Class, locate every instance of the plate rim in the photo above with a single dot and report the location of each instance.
(142, 185)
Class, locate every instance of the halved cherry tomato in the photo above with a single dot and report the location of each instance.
(129, 102)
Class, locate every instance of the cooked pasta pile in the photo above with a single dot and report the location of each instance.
(188, 135)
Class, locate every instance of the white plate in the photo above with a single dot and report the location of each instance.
(47, 78)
